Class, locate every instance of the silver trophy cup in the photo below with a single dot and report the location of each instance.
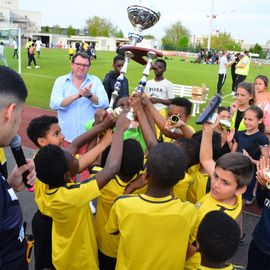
(141, 18)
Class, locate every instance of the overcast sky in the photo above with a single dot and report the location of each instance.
(244, 19)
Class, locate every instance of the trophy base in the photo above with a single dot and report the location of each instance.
(139, 53)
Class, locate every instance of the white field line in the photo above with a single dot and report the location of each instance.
(39, 75)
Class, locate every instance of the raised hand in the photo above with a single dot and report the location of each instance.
(234, 107)
(136, 104)
(15, 178)
(263, 172)
(122, 121)
(84, 92)
(100, 115)
(109, 120)
(209, 126)
(145, 100)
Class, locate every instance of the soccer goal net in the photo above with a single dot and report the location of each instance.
(10, 38)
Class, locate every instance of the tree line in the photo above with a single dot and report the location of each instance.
(176, 37)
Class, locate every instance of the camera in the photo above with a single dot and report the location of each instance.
(209, 115)
(225, 124)
(174, 119)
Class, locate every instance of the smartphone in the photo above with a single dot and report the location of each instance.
(209, 110)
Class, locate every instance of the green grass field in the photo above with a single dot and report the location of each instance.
(54, 62)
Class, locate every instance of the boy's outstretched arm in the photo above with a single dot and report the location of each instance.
(90, 156)
(86, 137)
(163, 101)
(144, 100)
(185, 131)
(114, 158)
(159, 120)
(206, 149)
(149, 136)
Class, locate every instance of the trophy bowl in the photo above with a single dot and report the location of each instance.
(139, 53)
(142, 16)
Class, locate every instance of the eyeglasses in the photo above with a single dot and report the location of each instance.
(81, 65)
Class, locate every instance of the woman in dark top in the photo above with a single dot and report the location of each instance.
(245, 96)
(253, 142)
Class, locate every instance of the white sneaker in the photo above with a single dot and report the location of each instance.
(92, 207)
(37, 66)
(29, 67)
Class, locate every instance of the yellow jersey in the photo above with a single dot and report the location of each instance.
(40, 194)
(200, 184)
(152, 230)
(74, 243)
(3, 163)
(181, 188)
(108, 243)
(204, 206)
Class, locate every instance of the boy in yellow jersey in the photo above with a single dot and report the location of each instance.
(73, 237)
(201, 181)
(154, 228)
(180, 189)
(191, 148)
(42, 131)
(230, 175)
(218, 238)
(131, 165)
(71, 52)
(178, 106)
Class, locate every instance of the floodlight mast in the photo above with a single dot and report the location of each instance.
(210, 25)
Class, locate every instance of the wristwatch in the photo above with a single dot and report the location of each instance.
(90, 95)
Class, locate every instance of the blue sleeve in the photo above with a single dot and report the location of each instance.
(99, 90)
(57, 94)
(264, 140)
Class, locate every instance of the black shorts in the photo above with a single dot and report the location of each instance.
(106, 262)
(42, 232)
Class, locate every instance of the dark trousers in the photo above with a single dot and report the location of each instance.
(233, 82)
(15, 53)
(19, 263)
(106, 262)
(42, 232)
(257, 260)
(248, 195)
(221, 81)
(31, 58)
(239, 79)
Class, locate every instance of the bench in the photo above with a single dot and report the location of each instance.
(196, 95)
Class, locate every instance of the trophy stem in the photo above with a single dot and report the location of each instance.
(117, 85)
(151, 56)
(140, 88)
